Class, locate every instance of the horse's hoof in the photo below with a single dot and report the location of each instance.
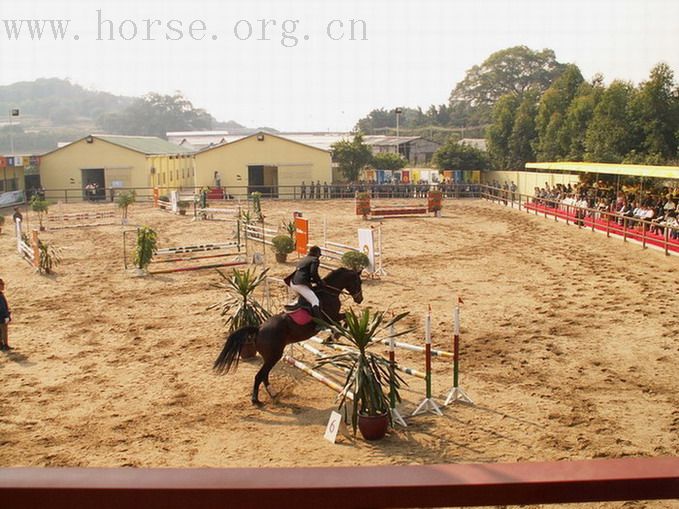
(257, 403)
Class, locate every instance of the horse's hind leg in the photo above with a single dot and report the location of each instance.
(263, 376)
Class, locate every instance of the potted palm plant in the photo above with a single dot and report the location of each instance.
(239, 306)
(50, 257)
(369, 378)
(124, 200)
(147, 245)
(283, 245)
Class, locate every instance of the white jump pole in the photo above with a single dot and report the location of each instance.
(457, 393)
(428, 404)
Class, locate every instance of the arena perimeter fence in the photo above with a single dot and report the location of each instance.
(458, 485)
(631, 229)
(331, 191)
(647, 233)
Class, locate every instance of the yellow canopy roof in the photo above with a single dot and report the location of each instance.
(630, 170)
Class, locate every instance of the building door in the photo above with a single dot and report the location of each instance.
(94, 183)
(255, 179)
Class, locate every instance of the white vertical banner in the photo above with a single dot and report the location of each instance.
(174, 200)
(366, 244)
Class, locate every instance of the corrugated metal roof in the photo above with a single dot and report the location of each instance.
(148, 145)
(388, 140)
(630, 170)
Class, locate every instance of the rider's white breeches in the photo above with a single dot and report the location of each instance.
(307, 293)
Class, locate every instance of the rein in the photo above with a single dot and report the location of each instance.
(341, 290)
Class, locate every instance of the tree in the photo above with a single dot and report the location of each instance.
(351, 156)
(155, 115)
(460, 156)
(388, 161)
(524, 135)
(551, 145)
(499, 132)
(655, 109)
(509, 71)
(610, 135)
(578, 117)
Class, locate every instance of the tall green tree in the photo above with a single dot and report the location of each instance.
(656, 111)
(524, 134)
(509, 71)
(351, 156)
(578, 116)
(499, 132)
(156, 114)
(551, 143)
(388, 161)
(610, 134)
(460, 156)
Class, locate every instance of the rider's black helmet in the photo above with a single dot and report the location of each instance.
(314, 251)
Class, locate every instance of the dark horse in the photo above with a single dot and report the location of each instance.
(278, 331)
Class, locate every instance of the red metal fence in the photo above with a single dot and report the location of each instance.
(345, 487)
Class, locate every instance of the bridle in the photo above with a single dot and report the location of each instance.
(339, 291)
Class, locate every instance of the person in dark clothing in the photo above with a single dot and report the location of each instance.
(5, 318)
(305, 274)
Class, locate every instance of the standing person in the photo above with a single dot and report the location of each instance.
(318, 189)
(305, 274)
(17, 215)
(325, 189)
(217, 179)
(5, 318)
(302, 192)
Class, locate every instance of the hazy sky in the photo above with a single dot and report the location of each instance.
(414, 54)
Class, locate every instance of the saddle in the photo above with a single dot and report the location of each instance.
(299, 312)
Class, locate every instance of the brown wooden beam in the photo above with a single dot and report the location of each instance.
(344, 487)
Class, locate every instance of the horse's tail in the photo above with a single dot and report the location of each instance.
(231, 351)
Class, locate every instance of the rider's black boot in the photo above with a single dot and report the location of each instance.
(316, 313)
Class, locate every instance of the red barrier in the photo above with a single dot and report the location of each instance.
(346, 487)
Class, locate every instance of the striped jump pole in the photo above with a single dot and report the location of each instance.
(457, 393)
(318, 376)
(415, 348)
(428, 404)
(395, 415)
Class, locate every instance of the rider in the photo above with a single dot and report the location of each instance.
(305, 274)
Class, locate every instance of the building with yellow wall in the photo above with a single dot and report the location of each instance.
(116, 162)
(261, 162)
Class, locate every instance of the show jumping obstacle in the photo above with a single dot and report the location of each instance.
(187, 254)
(457, 393)
(318, 376)
(365, 209)
(29, 252)
(428, 404)
(175, 198)
(83, 219)
(332, 252)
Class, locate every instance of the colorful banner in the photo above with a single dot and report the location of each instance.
(301, 235)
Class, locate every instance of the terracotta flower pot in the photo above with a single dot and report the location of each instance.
(281, 257)
(373, 427)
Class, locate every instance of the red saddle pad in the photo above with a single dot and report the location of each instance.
(300, 316)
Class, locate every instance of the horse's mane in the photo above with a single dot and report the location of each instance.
(336, 274)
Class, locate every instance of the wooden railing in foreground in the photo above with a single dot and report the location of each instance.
(343, 487)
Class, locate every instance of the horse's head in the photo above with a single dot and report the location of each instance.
(346, 280)
(354, 286)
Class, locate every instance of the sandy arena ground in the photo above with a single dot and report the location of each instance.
(569, 348)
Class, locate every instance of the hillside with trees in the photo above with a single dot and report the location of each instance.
(54, 110)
